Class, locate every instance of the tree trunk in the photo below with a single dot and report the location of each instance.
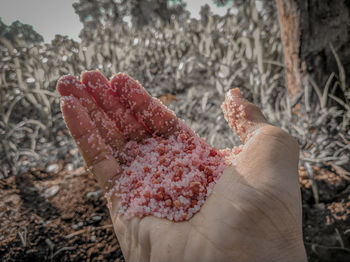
(312, 32)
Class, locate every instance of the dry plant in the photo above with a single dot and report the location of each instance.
(195, 60)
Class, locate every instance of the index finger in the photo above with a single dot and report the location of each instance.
(157, 117)
(96, 153)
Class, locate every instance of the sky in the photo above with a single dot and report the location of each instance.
(51, 17)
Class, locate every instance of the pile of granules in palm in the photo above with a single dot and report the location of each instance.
(169, 178)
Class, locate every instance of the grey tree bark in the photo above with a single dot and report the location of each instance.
(312, 32)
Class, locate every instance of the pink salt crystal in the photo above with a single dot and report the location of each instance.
(237, 149)
(147, 194)
(177, 203)
(195, 187)
(194, 202)
(208, 171)
(169, 178)
(168, 202)
(213, 152)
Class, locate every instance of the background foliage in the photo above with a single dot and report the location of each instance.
(169, 53)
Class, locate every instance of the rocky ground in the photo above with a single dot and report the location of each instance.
(55, 217)
(59, 214)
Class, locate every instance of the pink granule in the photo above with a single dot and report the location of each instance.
(169, 178)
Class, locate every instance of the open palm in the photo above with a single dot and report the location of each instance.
(254, 211)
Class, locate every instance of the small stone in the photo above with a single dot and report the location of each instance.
(96, 218)
(53, 168)
(73, 152)
(69, 167)
(94, 195)
(67, 216)
(93, 238)
(320, 206)
(51, 191)
(78, 225)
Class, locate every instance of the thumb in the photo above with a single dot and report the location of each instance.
(243, 117)
(269, 146)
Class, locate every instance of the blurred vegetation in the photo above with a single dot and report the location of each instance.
(113, 13)
(196, 60)
(17, 29)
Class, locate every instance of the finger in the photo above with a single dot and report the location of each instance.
(70, 85)
(243, 117)
(97, 155)
(98, 86)
(158, 118)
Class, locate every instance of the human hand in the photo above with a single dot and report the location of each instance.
(254, 210)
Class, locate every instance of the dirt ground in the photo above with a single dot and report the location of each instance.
(61, 216)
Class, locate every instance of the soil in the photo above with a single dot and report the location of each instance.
(55, 217)
(62, 216)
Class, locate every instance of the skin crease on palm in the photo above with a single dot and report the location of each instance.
(254, 211)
